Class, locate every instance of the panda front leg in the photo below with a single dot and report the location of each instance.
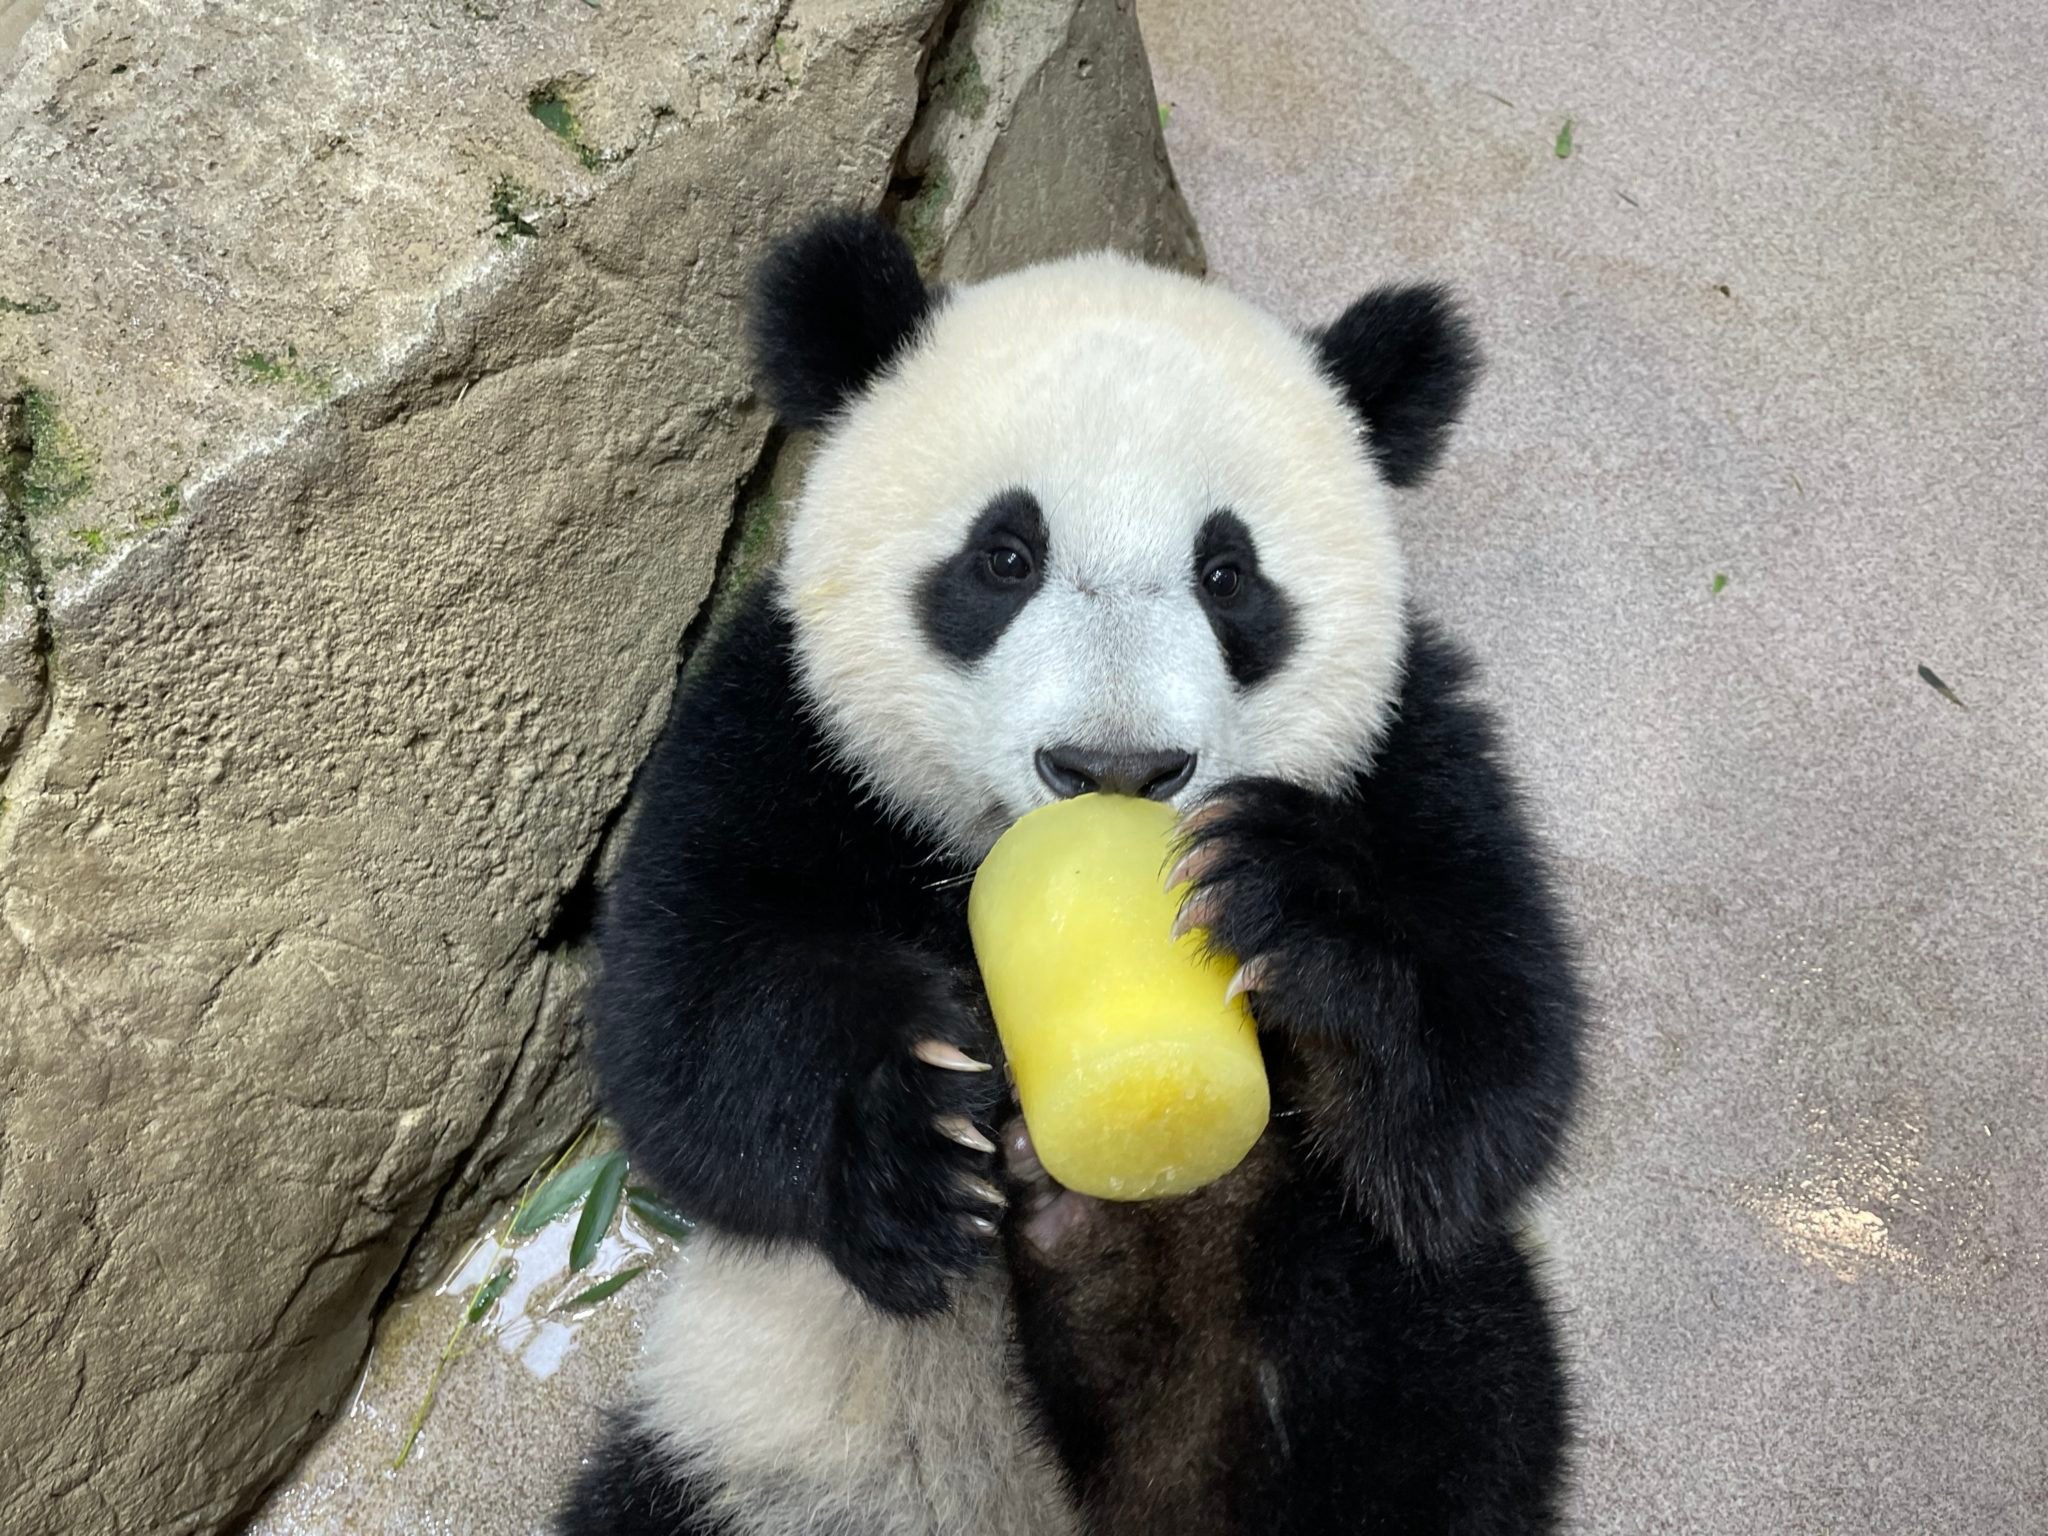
(834, 1099)
(1403, 935)
(786, 1056)
(789, 1032)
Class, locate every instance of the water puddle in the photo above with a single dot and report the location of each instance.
(502, 1369)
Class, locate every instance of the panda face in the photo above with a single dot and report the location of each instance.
(1094, 525)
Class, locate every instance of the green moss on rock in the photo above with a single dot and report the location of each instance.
(756, 540)
(285, 372)
(921, 219)
(47, 464)
(552, 110)
(508, 200)
(163, 507)
(760, 540)
(788, 59)
(963, 87)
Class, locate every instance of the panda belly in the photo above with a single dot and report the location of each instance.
(789, 1405)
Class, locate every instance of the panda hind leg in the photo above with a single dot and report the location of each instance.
(630, 1488)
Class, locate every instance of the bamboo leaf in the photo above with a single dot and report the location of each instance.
(488, 1293)
(659, 1214)
(590, 1295)
(557, 1195)
(1927, 676)
(599, 1207)
(1564, 140)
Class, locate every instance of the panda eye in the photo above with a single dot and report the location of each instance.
(1222, 581)
(1008, 564)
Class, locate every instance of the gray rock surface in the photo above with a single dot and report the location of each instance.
(292, 857)
(1778, 320)
(1028, 137)
(220, 216)
(375, 410)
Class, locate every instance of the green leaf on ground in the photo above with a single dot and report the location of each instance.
(487, 1295)
(659, 1214)
(1564, 140)
(1927, 676)
(599, 1208)
(590, 1295)
(557, 1195)
(1720, 581)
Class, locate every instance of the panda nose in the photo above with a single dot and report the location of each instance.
(1070, 770)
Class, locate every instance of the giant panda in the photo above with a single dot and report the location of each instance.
(1085, 527)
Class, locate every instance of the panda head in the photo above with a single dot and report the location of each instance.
(1092, 525)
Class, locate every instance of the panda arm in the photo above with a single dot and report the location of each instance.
(1405, 937)
(762, 993)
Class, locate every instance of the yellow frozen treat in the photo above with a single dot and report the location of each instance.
(1136, 1078)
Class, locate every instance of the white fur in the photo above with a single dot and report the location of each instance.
(1132, 402)
(810, 1411)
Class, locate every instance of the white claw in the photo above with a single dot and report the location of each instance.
(1196, 861)
(1198, 911)
(1192, 865)
(963, 1130)
(1250, 977)
(981, 1189)
(937, 1053)
(981, 1224)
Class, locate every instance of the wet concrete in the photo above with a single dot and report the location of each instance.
(504, 1409)
(1778, 324)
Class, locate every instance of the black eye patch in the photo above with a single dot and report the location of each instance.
(1252, 618)
(967, 600)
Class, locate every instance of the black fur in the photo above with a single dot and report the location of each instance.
(772, 947)
(1254, 1358)
(833, 304)
(772, 950)
(1255, 623)
(963, 604)
(627, 1490)
(1410, 942)
(1406, 360)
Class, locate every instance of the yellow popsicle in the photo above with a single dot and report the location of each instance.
(1136, 1078)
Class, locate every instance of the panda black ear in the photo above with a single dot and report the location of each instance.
(832, 305)
(1405, 359)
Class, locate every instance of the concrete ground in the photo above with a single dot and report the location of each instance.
(1778, 324)
(1775, 326)
(461, 1430)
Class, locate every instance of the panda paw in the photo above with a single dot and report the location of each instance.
(1268, 878)
(914, 1203)
(1047, 1212)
